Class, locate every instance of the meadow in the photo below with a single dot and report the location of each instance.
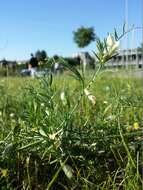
(56, 135)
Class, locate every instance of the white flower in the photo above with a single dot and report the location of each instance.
(87, 93)
(115, 46)
(111, 117)
(93, 144)
(107, 88)
(110, 40)
(112, 44)
(42, 104)
(62, 96)
(12, 115)
(101, 151)
(52, 136)
(100, 131)
(91, 97)
(67, 170)
(47, 112)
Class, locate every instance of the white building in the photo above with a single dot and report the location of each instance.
(127, 58)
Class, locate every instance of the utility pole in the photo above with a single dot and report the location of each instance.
(142, 31)
(141, 156)
(126, 29)
(133, 48)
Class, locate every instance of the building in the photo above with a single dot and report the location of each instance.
(125, 58)
(9, 64)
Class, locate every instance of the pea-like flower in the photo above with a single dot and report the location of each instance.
(47, 112)
(42, 104)
(112, 44)
(135, 126)
(91, 97)
(12, 115)
(52, 136)
(110, 40)
(62, 96)
(114, 48)
(106, 49)
(4, 172)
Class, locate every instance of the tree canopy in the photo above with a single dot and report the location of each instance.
(41, 55)
(84, 36)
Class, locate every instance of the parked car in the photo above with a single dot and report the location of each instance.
(25, 72)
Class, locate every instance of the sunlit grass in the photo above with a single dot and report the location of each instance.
(54, 143)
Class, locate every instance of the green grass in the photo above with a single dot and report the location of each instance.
(49, 143)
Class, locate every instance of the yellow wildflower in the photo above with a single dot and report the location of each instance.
(135, 126)
(4, 172)
(34, 129)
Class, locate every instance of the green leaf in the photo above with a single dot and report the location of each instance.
(73, 70)
(42, 132)
(51, 79)
(124, 28)
(96, 56)
(55, 177)
(67, 170)
(116, 35)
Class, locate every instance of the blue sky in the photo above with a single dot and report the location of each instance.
(28, 25)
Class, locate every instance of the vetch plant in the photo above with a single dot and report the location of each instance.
(112, 44)
(76, 145)
(106, 49)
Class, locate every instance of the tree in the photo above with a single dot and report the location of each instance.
(84, 36)
(41, 55)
